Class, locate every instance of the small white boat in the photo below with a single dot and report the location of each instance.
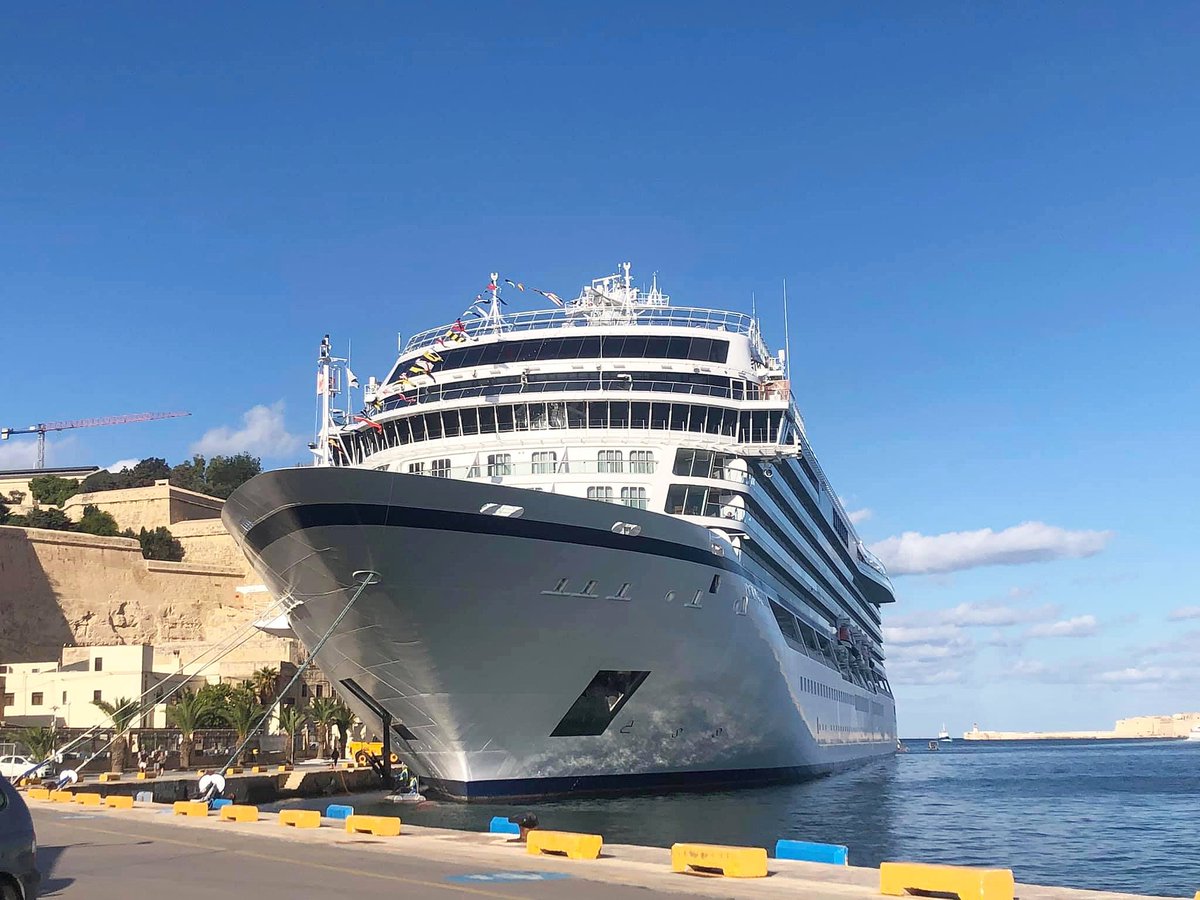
(944, 735)
(1194, 734)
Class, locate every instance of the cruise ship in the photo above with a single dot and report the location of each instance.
(580, 549)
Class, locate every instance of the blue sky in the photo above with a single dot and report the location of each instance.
(987, 218)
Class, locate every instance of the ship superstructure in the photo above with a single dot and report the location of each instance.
(603, 555)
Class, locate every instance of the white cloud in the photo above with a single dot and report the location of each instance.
(858, 516)
(263, 433)
(1028, 668)
(21, 452)
(997, 615)
(122, 464)
(1142, 675)
(1078, 626)
(916, 553)
(1184, 612)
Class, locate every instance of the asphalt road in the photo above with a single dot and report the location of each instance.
(100, 856)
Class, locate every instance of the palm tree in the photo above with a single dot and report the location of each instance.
(245, 714)
(343, 719)
(322, 711)
(186, 713)
(291, 720)
(40, 742)
(266, 683)
(121, 713)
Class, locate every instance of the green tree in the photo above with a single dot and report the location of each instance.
(216, 699)
(266, 683)
(39, 742)
(148, 471)
(291, 721)
(245, 715)
(343, 718)
(190, 475)
(321, 711)
(103, 480)
(225, 474)
(160, 544)
(53, 519)
(52, 490)
(97, 521)
(121, 713)
(186, 714)
(4, 513)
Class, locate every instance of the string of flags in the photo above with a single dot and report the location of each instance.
(458, 333)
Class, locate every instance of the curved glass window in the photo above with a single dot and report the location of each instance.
(607, 347)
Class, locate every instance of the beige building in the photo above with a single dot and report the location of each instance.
(62, 693)
(14, 484)
(148, 507)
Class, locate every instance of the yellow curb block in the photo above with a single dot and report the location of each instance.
(898, 878)
(733, 862)
(118, 801)
(110, 776)
(383, 826)
(300, 818)
(88, 799)
(234, 813)
(573, 846)
(38, 794)
(190, 808)
(61, 796)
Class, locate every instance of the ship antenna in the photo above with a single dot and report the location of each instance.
(324, 380)
(787, 342)
(494, 287)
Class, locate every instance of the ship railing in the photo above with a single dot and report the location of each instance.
(571, 317)
(871, 559)
(498, 468)
(435, 393)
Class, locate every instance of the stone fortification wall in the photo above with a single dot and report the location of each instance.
(60, 588)
(206, 541)
(1177, 725)
(148, 507)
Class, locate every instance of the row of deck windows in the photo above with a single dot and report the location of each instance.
(636, 497)
(597, 347)
(759, 426)
(542, 462)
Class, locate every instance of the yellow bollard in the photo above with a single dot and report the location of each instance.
(110, 776)
(300, 818)
(565, 843)
(38, 794)
(235, 813)
(61, 796)
(190, 808)
(118, 801)
(733, 862)
(898, 878)
(88, 799)
(383, 826)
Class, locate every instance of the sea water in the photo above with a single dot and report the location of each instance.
(1121, 816)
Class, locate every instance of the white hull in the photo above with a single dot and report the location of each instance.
(466, 641)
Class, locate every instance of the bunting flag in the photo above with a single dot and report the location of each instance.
(516, 284)
(351, 378)
(551, 296)
(432, 355)
(369, 421)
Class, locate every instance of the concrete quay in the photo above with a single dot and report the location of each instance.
(242, 784)
(94, 853)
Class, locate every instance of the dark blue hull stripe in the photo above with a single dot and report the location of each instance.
(597, 785)
(317, 515)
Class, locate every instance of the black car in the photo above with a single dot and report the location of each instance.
(19, 876)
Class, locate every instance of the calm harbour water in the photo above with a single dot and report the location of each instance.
(1104, 815)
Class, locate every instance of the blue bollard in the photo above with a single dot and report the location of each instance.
(338, 811)
(835, 854)
(501, 825)
(219, 802)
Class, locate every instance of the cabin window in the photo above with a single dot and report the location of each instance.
(786, 622)
(499, 464)
(609, 461)
(543, 462)
(417, 468)
(440, 468)
(641, 462)
(601, 493)
(635, 497)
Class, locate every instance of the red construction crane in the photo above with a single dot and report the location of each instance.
(41, 428)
